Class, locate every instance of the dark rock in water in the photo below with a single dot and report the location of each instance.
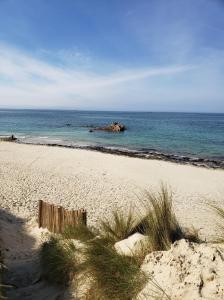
(114, 127)
(91, 130)
(13, 138)
(68, 124)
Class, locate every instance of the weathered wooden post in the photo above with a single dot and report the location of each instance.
(59, 217)
(40, 213)
(84, 216)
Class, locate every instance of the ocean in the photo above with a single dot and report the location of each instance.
(195, 137)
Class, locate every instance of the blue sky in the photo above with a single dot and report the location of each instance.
(153, 55)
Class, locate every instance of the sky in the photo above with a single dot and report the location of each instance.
(120, 55)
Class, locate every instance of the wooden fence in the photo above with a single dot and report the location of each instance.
(56, 218)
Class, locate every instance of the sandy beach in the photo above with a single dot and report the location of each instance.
(101, 182)
(111, 150)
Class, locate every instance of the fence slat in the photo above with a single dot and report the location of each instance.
(56, 218)
(40, 213)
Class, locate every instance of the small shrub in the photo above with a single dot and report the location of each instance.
(58, 260)
(119, 227)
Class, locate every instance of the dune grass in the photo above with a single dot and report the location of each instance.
(160, 223)
(119, 227)
(115, 276)
(163, 228)
(58, 261)
(79, 232)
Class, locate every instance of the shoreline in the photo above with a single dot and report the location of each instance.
(143, 154)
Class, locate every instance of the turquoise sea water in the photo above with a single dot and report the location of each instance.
(183, 134)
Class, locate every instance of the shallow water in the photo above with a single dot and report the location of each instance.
(182, 134)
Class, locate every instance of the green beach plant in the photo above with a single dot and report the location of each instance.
(160, 223)
(115, 276)
(79, 232)
(119, 227)
(59, 260)
(112, 275)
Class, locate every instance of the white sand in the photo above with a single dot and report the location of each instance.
(187, 271)
(92, 180)
(100, 182)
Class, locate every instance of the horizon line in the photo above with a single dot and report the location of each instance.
(98, 110)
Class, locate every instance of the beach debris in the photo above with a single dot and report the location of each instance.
(133, 245)
(113, 127)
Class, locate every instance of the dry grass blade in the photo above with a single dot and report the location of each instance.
(119, 227)
(160, 222)
(163, 227)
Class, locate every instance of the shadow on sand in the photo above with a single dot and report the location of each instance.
(21, 258)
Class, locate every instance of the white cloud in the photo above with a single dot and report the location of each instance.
(24, 80)
(27, 81)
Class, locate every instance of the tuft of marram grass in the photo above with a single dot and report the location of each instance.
(79, 232)
(58, 261)
(112, 276)
(119, 227)
(160, 223)
(115, 276)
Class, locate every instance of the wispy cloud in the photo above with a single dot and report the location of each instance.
(24, 80)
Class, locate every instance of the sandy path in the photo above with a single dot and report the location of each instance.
(20, 241)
